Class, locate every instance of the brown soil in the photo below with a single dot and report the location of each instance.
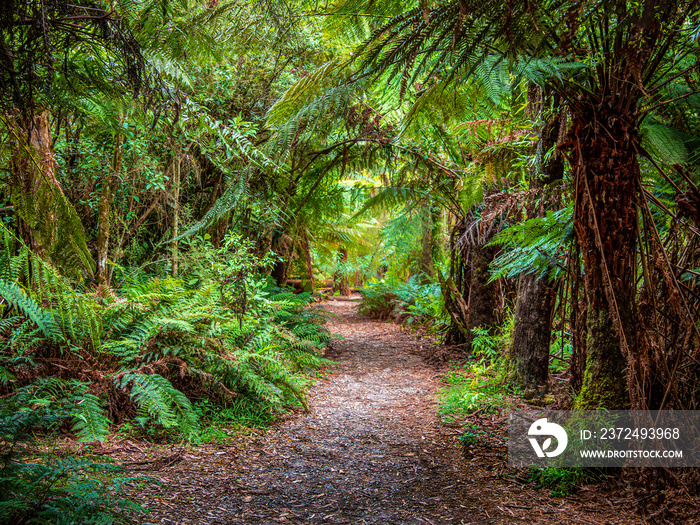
(372, 450)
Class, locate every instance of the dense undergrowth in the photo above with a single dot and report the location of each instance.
(157, 355)
(410, 302)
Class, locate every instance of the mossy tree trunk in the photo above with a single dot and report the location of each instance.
(47, 221)
(603, 155)
(104, 208)
(34, 168)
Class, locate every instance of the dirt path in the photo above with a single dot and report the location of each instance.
(371, 451)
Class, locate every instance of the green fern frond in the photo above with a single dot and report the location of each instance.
(89, 420)
(158, 398)
(28, 307)
(536, 245)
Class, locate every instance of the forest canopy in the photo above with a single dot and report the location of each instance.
(180, 180)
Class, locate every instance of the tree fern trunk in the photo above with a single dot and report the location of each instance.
(602, 150)
(536, 295)
(532, 329)
(483, 295)
(47, 221)
(34, 164)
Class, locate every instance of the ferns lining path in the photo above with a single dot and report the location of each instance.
(371, 451)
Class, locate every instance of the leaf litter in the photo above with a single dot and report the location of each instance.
(372, 450)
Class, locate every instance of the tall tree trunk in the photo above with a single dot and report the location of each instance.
(482, 301)
(34, 167)
(537, 295)
(307, 256)
(532, 329)
(281, 246)
(48, 223)
(176, 210)
(601, 143)
(426, 265)
(104, 207)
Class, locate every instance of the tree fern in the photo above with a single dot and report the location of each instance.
(536, 245)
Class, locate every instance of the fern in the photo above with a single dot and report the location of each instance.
(536, 245)
(28, 307)
(89, 420)
(157, 397)
(49, 490)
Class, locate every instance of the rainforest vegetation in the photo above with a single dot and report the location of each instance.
(180, 182)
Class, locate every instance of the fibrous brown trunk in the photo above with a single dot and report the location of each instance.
(532, 329)
(470, 298)
(601, 145)
(176, 210)
(482, 302)
(35, 169)
(537, 295)
(48, 223)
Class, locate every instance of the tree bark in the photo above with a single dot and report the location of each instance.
(532, 329)
(307, 256)
(104, 207)
(601, 145)
(176, 210)
(281, 246)
(482, 302)
(536, 295)
(48, 223)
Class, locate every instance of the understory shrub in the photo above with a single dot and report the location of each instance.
(486, 382)
(221, 331)
(38, 488)
(407, 302)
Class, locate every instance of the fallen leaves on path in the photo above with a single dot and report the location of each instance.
(371, 451)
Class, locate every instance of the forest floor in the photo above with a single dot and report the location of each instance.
(372, 450)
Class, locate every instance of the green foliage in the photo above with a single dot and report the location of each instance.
(473, 435)
(41, 489)
(485, 384)
(409, 302)
(535, 245)
(222, 329)
(65, 399)
(560, 352)
(561, 481)
(163, 403)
